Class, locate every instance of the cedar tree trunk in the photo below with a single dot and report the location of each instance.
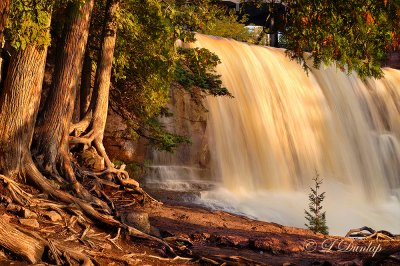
(51, 134)
(19, 103)
(103, 79)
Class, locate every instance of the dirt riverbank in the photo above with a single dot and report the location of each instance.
(198, 236)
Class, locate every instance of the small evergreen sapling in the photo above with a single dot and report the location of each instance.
(315, 217)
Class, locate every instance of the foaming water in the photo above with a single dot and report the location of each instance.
(178, 178)
(283, 125)
(345, 210)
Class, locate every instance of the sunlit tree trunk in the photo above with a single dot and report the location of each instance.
(103, 77)
(94, 121)
(51, 135)
(19, 103)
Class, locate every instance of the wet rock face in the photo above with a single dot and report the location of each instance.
(189, 119)
(119, 143)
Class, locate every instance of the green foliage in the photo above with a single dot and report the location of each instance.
(144, 65)
(228, 26)
(196, 69)
(315, 217)
(29, 23)
(144, 57)
(188, 17)
(352, 34)
(134, 169)
(147, 61)
(162, 139)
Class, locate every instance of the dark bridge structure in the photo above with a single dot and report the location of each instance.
(257, 16)
(270, 15)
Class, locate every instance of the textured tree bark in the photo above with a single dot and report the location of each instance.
(19, 103)
(19, 243)
(52, 130)
(103, 79)
(86, 85)
(76, 114)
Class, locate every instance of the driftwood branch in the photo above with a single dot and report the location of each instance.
(368, 233)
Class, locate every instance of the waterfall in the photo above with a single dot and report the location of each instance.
(283, 125)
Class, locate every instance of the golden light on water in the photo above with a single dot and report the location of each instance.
(283, 125)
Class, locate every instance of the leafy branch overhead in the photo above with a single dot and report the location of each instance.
(147, 62)
(354, 35)
(196, 69)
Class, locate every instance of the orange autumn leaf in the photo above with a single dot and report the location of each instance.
(369, 19)
(304, 20)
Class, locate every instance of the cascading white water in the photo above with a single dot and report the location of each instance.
(283, 125)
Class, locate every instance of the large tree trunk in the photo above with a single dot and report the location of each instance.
(103, 77)
(99, 101)
(52, 132)
(19, 103)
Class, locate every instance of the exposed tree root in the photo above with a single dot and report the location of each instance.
(86, 139)
(124, 259)
(122, 178)
(14, 240)
(95, 139)
(379, 236)
(62, 169)
(98, 144)
(78, 128)
(42, 183)
(18, 195)
(368, 233)
(25, 242)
